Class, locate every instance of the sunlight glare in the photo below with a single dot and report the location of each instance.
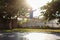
(36, 36)
(41, 36)
(37, 3)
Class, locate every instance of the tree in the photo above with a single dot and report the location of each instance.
(9, 9)
(52, 10)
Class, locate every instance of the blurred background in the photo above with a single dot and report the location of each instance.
(29, 14)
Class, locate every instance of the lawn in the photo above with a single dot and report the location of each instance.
(32, 30)
(36, 30)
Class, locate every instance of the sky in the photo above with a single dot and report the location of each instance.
(36, 4)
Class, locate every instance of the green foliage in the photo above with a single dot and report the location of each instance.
(10, 8)
(52, 10)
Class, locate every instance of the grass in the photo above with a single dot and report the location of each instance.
(36, 30)
(32, 30)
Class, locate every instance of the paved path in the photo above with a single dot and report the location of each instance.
(25, 35)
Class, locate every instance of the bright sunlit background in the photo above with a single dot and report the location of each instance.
(36, 4)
